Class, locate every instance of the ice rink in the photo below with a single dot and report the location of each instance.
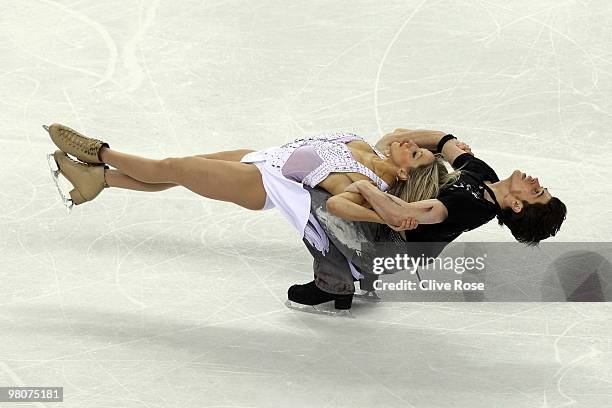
(169, 299)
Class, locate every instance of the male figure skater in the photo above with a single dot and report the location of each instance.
(519, 202)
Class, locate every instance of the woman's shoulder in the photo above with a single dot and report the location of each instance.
(361, 145)
(340, 135)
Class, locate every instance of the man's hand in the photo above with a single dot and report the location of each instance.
(406, 225)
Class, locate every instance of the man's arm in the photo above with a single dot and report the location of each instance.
(451, 150)
(395, 211)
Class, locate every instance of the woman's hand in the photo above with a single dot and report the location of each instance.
(406, 225)
(354, 187)
(465, 147)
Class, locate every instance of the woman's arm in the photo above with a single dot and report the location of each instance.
(427, 139)
(350, 206)
(385, 141)
(395, 212)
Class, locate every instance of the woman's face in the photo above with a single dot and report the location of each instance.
(407, 155)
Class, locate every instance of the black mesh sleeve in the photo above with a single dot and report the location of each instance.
(443, 141)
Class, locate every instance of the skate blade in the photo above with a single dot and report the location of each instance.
(55, 172)
(326, 309)
(367, 296)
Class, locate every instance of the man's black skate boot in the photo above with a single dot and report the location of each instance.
(309, 294)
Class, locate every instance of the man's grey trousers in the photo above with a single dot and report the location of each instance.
(346, 238)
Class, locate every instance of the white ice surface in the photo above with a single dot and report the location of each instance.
(172, 300)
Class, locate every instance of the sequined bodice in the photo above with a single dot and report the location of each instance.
(333, 156)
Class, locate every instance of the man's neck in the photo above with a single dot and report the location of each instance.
(499, 188)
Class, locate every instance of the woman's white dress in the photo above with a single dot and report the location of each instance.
(288, 194)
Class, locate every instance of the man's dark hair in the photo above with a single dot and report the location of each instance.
(535, 222)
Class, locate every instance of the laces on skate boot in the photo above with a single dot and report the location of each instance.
(326, 309)
(55, 172)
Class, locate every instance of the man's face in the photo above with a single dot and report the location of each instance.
(523, 187)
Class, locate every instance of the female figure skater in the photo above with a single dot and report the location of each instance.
(260, 179)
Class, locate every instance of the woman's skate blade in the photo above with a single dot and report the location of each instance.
(326, 309)
(55, 172)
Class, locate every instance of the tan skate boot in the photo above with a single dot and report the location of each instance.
(84, 148)
(87, 179)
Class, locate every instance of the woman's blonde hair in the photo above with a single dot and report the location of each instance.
(424, 182)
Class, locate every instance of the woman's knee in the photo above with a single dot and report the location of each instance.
(169, 162)
(191, 170)
(172, 167)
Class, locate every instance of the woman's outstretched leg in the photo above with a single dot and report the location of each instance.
(137, 167)
(117, 179)
(229, 155)
(133, 162)
(223, 180)
(239, 183)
